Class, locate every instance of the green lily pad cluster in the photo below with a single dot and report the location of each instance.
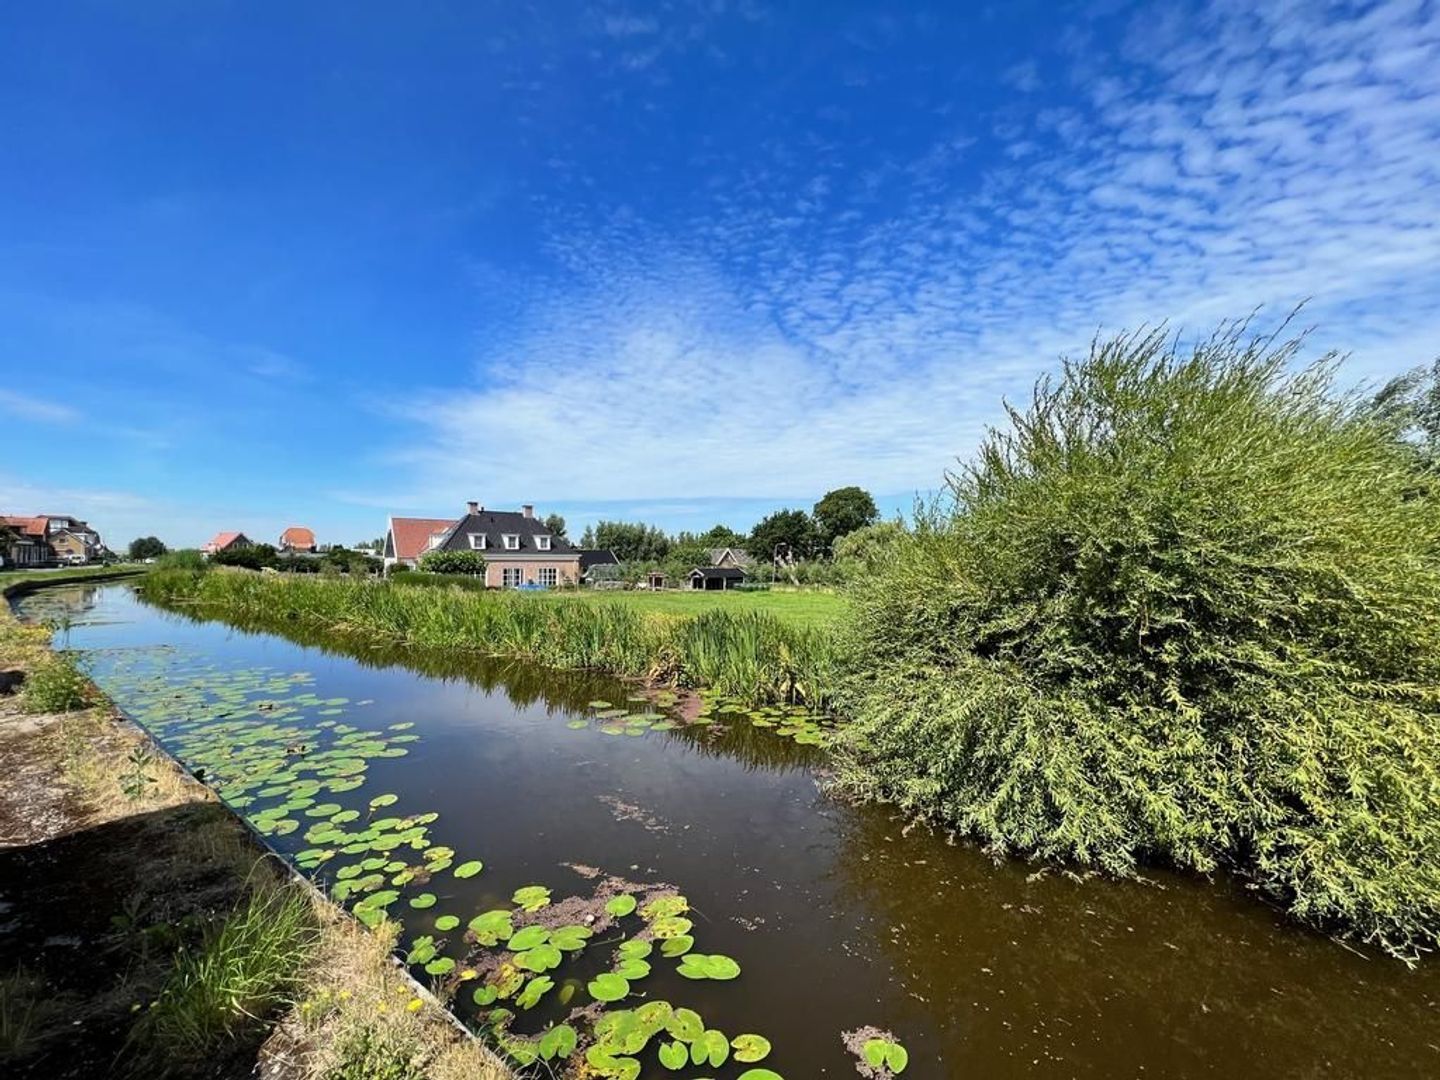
(679, 1039)
(794, 722)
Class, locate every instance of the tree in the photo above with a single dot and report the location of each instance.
(1411, 402)
(556, 524)
(146, 547)
(721, 536)
(791, 532)
(632, 542)
(587, 538)
(843, 511)
(254, 557)
(868, 549)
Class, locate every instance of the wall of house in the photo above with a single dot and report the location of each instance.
(567, 569)
(66, 545)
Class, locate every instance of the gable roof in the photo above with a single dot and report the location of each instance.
(297, 536)
(737, 556)
(412, 535)
(224, 539)
(30, 526)
(715, 573)
(494, 524)
(596, 557)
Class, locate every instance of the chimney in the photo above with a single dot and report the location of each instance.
(528, 510)
(474, 507)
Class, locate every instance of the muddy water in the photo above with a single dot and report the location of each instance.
(838, 916)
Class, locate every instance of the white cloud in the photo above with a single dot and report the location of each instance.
(38, 409)
(810, 326)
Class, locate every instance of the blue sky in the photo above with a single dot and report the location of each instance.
(268, 263)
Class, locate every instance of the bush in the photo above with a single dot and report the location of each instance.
(184, 559)
(453, 562)
(1186, 607)
(252, 557)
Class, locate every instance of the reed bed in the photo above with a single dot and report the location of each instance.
(749, 655)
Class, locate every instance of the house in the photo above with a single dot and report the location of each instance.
(52, 538)
(227, 541)
(517, 547)
(731, 557)
(715, 578)
(19, 545)
(297, 538)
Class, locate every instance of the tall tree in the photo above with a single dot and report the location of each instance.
(1412, 403)
(785, 534)
(632, 541)
(146, 547)
(721, 536)
(587, 538)
(841, 512)
(556, 524)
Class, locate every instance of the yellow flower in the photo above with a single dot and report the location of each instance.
(414, 1005)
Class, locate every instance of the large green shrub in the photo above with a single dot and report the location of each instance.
(453, 562)
(1184, 608)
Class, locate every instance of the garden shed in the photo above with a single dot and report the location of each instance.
(716, 577)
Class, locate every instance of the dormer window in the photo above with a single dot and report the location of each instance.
(512, 542)
(477, 541)
(542, 543)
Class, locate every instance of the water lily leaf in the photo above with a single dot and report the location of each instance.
(750, 1048)
(671, 926)
(674, 1055)
(485, 995)
(422, 950)
(760, 1074)
(621, 905)
(677, 946)
(712, 1047)
(685, 1025)
(896, 1058)
(634, 970)
(528, 938)
(635, 950)
(702, 966)
(599, 704)
(440, 966)
(534, 990)
(531, 897)
(383, 800)
(576, 725)
(469, 869)
(664, 907)
(446, 923)
(491, 927)
(423, 901)
(540, 958)
(608, 987)
(570, 938)
(558, 1042)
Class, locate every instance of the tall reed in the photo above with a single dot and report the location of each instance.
(751, 655)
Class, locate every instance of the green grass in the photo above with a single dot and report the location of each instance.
(798, 607)
(10, 579)
(233, 981)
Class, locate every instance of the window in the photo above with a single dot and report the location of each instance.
(511, 577)
(477, 541)
(512, 542)
(548, 576)
(543, 543)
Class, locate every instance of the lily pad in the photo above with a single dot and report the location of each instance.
(469, 869)
(621, 905)
(750, 1048)
(608, 987)
(447, 923)
(528, 938)
(531, 897)
(558, 1042)
(708, 966)
(423, 901)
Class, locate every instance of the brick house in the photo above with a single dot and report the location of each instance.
(226, 541)
(517, 547)
(50, 538)
(297, 538)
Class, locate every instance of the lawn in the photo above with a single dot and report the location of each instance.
(799, 607)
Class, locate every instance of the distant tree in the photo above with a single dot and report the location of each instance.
(556, 524)
(721, 536)
(869, 548)
(1412, 403)
(789, 531)
(146, 547)
(587, 538)
(632, 542)
(843, 511)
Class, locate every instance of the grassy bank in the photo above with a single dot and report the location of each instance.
(187, 951)
(806, 608)
(13, 582)
(748, 654)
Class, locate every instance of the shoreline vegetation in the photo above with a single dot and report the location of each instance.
(1184, 609)
(203, 954)
(752, 655)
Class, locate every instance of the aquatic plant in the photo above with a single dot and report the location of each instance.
(56, 684)
(1186, 607)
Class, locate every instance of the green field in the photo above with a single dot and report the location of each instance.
(64, 574)
(799, 607)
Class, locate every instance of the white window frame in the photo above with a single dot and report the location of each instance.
(512, 577)
(549, 576)
(542, 543)
(511, 541)
(477, 541)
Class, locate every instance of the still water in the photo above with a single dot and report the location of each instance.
(838, 916)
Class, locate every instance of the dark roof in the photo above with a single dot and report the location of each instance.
(495, 524)
(596, 557)
(716, 573)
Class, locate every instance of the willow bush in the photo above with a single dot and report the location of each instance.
(1183, 608)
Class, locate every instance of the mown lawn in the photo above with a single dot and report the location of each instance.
(800, 607)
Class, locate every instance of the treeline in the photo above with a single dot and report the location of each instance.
(839, 538)
(337, 560)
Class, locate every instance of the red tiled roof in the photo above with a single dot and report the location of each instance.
(222, 541)
(412, 535)
(297, 536)
(33, 526)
